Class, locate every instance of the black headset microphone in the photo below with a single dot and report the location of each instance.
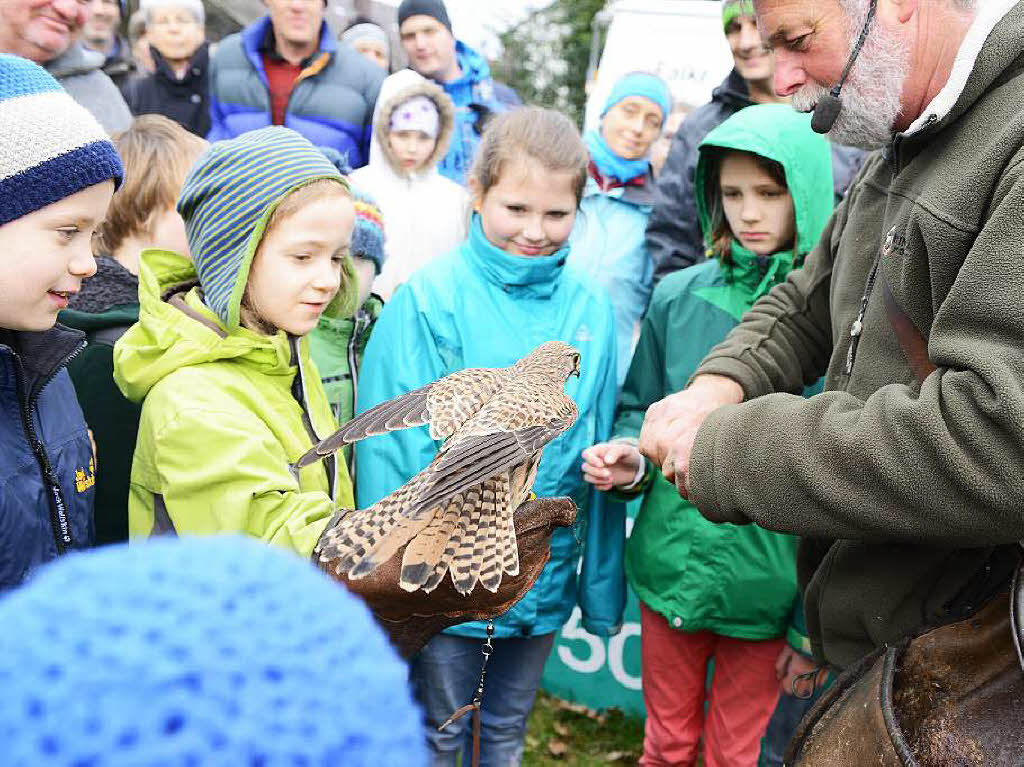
(826, 111)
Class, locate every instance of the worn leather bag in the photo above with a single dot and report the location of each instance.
(953, 695)
(411, 618)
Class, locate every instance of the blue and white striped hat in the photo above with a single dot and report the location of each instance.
(229, 196)
(52, 147)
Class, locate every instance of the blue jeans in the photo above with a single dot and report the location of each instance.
(444, 676)
(781, 727)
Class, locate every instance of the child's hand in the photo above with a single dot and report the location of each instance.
(611, 464)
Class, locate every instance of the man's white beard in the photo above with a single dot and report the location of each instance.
(871, 95)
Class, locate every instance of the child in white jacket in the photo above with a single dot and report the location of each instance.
(425, 214)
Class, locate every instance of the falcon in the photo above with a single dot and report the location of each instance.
(456, 514)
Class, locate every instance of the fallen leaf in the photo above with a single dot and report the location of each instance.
(619, 756)
(557, 748)
(561, 729)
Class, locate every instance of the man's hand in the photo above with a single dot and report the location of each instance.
(798, 675)
(671, 424)
(611, 464)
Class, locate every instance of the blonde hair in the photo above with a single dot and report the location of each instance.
(157, 154)
(543, 135)
(249, 315)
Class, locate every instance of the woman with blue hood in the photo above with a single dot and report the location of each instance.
(608, 241)
(707, 591)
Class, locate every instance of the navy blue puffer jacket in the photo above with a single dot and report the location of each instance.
(47, 469)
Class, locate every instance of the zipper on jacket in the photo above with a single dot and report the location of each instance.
(299, 393)
(58, 507)
(857, 328)
(362, 322)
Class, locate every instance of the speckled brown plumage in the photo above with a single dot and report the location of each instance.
(456, 514)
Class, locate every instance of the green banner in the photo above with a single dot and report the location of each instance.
(599, 672)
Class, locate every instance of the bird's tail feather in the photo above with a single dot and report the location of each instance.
(426, 550)
(362, 540)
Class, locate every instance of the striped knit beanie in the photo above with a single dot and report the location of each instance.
(228, 197)
(368, 235)
(205, 651)
(52, 147)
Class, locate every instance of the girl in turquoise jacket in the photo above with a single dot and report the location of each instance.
(764, 193)
(504, 292)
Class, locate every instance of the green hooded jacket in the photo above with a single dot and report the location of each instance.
(222, 421)
(337, 345)
(738, 581)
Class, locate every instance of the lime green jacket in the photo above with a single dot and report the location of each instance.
(222, 422)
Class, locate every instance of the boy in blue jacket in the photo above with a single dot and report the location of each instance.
(58, 171)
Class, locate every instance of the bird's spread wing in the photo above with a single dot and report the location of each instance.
(445, 405)
(503, 436)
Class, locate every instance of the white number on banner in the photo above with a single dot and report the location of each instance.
(572, 630)
(595, 658)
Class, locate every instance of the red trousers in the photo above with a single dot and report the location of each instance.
(743, 694)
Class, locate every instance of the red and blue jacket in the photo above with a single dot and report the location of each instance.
(331, 104)
(47, 467)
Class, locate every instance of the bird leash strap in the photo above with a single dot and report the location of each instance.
(474, 706)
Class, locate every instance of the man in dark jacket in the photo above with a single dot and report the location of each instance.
(101, 33)
(287, 69)
(180, 87)
(433, 51)
(674, 237)
(904, 478)
(45, 31)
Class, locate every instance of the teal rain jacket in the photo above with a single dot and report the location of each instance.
(481, 307)
(608, 245)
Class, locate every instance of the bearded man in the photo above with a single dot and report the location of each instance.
(904, 478)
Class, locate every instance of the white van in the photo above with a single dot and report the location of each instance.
(679, 40)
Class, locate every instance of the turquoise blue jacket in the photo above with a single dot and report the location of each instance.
(608, 246)
(481, 307)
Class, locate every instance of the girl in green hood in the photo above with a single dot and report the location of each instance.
(220, 355)
(707, 591)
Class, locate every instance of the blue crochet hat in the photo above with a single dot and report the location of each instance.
(228, 197)
(52, 147)
(641, 84)
(198, 651)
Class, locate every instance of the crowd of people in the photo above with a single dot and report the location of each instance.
(212, 255)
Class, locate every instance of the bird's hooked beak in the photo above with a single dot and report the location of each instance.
(576, 366)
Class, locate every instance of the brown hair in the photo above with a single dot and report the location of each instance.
(157, 154)
(543, 135)
(721, 235)
(249, 315)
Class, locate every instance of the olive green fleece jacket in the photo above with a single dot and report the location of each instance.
(908, 496)
(225, 414)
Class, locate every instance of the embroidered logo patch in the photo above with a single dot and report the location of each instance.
(85, 479)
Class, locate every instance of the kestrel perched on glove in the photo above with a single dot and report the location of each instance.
(456, 514)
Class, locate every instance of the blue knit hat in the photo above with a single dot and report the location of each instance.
(228, 197)
(198, 651)
(52, 147)
(641, 84)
